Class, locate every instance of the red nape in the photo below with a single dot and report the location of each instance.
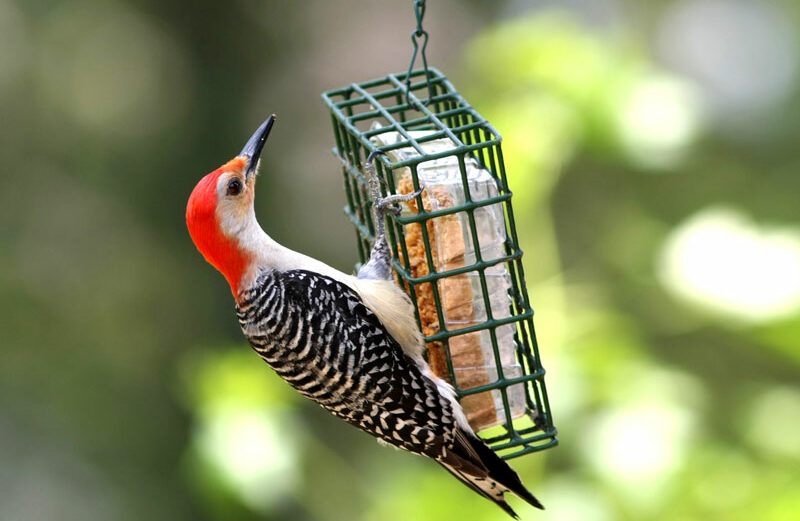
(201, 218)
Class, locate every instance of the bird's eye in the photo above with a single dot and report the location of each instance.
(234, 186)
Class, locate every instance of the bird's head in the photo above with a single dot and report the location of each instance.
(220, 214)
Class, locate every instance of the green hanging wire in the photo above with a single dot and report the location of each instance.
(419, 32)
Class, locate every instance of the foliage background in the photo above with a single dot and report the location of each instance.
(653, 150)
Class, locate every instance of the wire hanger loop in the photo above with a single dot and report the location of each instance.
(419, 34)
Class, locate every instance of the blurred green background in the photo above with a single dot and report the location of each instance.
(654, 151)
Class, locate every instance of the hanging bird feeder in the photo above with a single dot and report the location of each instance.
(456, 248)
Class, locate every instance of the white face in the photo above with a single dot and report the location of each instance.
(235, 202)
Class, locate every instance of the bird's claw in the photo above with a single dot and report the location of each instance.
(374, 154)
(389, 204)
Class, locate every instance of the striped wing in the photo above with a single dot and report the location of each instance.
(336, 352)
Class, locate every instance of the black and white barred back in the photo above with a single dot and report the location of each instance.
(318, 335)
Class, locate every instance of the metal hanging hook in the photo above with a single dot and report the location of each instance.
(419, 32)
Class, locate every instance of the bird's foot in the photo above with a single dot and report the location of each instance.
(389, 204)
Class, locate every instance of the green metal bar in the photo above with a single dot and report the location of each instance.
(446, 116)
(380, 95)
(361, 207)
(544, 436)
(439, 123)
(545, 404)
(441, 134)
(431, 277)
(520, 435)
(426, 216)
(412, 142)
(368, 134)
(345, 91)
(502, 384)
(476, 247)
(431, 157)
(455, 209)
(445, 333)
(370, 98)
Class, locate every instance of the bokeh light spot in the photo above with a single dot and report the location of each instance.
(658, 119)
(639, 447)
(720, 260)
(251, 451)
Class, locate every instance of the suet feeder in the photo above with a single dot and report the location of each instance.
(456, 248)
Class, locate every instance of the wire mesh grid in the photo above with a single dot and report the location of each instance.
(361, 113)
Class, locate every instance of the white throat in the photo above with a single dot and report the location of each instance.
(269, 254)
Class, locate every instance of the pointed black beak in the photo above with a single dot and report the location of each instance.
(252, 150)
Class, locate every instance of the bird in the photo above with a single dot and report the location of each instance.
(350, 343)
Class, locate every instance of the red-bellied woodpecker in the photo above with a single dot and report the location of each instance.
(350, 343)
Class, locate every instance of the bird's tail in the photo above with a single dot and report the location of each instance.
(482, 470)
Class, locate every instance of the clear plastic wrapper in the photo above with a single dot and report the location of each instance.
(462, 297)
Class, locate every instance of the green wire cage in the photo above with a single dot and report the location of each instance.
(456, 248)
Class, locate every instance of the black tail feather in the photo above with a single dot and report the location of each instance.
(481, 469)
(501, 471)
